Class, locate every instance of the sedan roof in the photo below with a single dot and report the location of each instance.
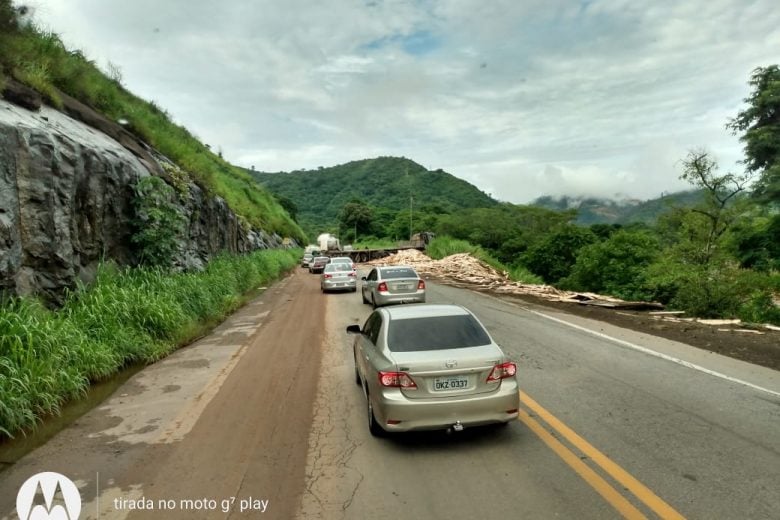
(423, 310)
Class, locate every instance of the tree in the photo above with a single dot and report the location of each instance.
(756, 243)
(158, 223)
(718, 208)
(615, 266)
(289, 206)
(760, 123)
(553, 257)
(356, 215)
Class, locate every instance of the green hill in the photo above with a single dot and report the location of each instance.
(593, 210)
(384, 183)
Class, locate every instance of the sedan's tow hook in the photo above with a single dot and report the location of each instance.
(457, 427)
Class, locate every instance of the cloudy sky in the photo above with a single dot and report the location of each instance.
(520, 97)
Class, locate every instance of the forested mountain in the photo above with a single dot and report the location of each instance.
(384, 183)
(593, 210)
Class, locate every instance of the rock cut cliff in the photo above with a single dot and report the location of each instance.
(66, 193)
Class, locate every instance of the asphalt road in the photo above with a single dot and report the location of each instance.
(262, 419)
(608, 431)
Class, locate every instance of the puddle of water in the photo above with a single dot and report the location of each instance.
(11, 450)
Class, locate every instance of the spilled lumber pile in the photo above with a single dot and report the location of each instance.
(462, 268)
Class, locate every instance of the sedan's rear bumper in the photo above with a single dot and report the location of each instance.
(434, 414)
(390, 299)
(330, 285)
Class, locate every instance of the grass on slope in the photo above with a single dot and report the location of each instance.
(127, 316)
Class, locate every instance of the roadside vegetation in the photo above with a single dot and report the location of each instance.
(41, 61)
(374, 243)
(127, 316)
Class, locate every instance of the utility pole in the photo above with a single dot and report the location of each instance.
(411, 204)
(411, 215)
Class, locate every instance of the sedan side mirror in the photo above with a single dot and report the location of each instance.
(363, 278)
(353, 329)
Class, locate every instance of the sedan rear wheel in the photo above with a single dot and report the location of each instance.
(373, 426)
(363, 295)
(358, 381)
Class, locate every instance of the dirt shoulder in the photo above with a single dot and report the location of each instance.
(218, 429)
(760, 349)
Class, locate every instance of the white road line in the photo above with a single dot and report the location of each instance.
(654, 353)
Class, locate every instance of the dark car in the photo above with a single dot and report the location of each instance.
(318, 264)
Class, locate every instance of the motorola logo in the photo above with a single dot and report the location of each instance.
(48, 496)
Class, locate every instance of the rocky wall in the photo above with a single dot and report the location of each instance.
(66, 204)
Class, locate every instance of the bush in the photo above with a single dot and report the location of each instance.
(553, 257)
(615, 266)
(715, 291)
(158, 223)
(759, 307)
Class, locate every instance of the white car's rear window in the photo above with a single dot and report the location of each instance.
(388, 274)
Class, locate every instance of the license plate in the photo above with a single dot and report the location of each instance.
(402, 286)
(450, 383)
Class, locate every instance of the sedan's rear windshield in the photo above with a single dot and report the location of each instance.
(435, 333)
(399, 272)
(338, 267)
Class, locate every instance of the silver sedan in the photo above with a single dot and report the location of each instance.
(392, 284)
(428, 367)
(338, 277)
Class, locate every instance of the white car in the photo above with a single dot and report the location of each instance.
(338, 276)
(344, 259)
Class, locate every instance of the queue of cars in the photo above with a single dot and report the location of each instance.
(422, 366)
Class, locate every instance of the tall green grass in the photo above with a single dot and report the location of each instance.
(375, 243)
(443, 246)
(127, 316)
(39, 59)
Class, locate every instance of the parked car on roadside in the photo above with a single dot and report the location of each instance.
(338, 276)
(392, 284)
(318, 264)
(430, 366)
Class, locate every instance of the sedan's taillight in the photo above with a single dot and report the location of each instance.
(353, 273)
(502, 371)
(421, 285)
(382, 287)
(327, 276)
(396, 380)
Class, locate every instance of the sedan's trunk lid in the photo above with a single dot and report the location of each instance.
(402, 285)
(449, 372)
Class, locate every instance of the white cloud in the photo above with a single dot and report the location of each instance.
(520, 98)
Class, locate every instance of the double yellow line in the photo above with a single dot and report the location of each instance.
(596, 481)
